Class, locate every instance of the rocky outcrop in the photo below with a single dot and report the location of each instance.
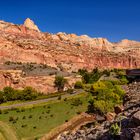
(18, 80)
(30, 24)
(64, 52)
(128, 120)
(24, 43)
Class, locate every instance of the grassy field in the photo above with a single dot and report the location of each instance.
(6, 132)
(36, 121)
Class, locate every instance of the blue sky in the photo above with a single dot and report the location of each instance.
(112, 19)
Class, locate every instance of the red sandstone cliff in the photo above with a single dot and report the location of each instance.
(26, 43)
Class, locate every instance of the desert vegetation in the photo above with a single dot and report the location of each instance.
(99, 96)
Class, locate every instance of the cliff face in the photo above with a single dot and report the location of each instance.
(25, 43)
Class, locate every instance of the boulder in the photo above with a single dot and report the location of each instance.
(136, 118)
(118, 109)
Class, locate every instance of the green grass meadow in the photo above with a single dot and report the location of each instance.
(34, 122)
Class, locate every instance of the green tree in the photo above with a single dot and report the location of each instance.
(1, 97)
(60, 82)
(8, 93)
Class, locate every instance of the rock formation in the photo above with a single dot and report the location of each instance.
(66, 52)
(129, 119)
(30, 24)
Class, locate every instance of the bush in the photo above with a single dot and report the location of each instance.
(70, 91)
(48, 111)
(11, 118)
(65, 99)
(30, 116)
(76, 102)
(1, 97)
(10, 94)
(106, 72)
(24, 125)
(78, 85)
(59, 97)
(102, 107)
(24, 117)
(123, 80)
(115, 129)
(5, 112)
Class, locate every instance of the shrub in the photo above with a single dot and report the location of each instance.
(115, 129)
(59, 97)
(22, 110)
(0, 111)
(16, 118)
(65, 99)
(48, 111)
(14, 121)
(70, 91)
(24, 117)
(5, 112)
(76, 102)
(24, 125)
(30, 116)
(78, 112)
(123, 80)
(48, 107)
(78, 85)
(18, 110)
(11, 118)
(1, 97)
(44, 106)
(106, 72)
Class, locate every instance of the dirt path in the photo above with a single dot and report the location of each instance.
(39, 101)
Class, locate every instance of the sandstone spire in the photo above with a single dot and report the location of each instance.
(30, 24)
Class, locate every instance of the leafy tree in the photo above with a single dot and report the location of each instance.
(60, 82)
(29, 93)
(90, 77)
(106, 96)
(8, 92)
(1, 97)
